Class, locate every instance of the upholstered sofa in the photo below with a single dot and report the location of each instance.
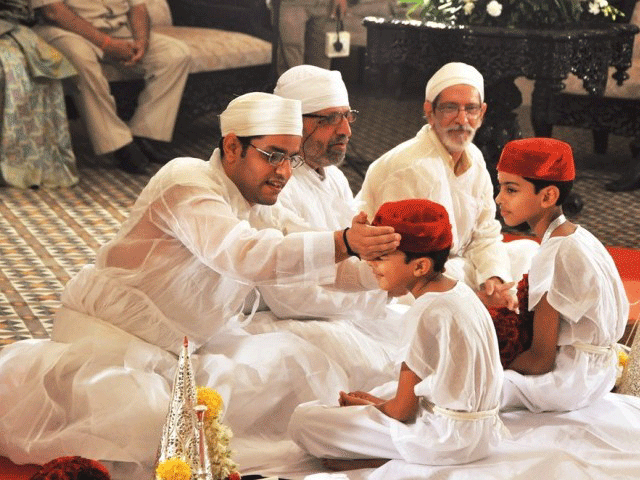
(230, 42)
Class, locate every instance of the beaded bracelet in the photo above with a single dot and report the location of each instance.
(346, 244)
(106, 43)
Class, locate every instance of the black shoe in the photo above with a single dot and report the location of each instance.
(131, 159)
(155, 150)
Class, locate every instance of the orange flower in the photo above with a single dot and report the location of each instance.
(173, 469)
(211, 399)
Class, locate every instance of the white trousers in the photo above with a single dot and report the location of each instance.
(342, 432)
(165, 66)
(361, 432)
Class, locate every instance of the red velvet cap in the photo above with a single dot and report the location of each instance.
(538, 158)
(422, 224)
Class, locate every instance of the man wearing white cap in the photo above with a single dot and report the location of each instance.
(441, 164)
(182, 264)
(319, 193)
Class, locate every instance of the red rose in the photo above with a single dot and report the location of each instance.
(514, 331)
(72, 468)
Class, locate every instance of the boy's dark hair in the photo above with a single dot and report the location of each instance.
(245, 141)
(563, 187)
(439, 258)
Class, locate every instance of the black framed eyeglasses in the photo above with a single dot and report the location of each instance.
(335, 118)
(276, 158)
(471, 110)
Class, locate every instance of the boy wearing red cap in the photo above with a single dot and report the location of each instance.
(444, 407)
(579, 305)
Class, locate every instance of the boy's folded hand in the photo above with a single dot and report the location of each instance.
(494, 293)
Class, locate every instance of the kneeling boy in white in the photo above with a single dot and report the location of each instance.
(575, 291)
(444, 407)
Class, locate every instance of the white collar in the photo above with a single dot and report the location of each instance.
(552, 226)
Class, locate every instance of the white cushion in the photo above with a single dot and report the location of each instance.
(159, 13)
(213, 49)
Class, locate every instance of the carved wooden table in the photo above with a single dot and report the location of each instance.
(398, 50)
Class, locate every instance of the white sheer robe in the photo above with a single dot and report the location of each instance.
(583, 285)
(182, 264)
(419, 168)
(354, 328)
(455, 352)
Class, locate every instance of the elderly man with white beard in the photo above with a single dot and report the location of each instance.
(352, 327)
(441, 164)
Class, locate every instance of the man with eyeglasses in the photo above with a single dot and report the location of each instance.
(196, 241)
(318, 191)
(443, 165)
(348, 325)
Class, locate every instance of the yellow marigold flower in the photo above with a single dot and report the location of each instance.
(212, 400)
(173, 469)
(623, 358)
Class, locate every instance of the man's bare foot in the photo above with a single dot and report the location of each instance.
(339, 464)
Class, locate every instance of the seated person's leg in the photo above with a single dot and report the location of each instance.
(166, 64)
(92, 96)
(342, 433)
(314, 53)
(321, 23)
(291, 42)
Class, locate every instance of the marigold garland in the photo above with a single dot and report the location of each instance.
(623, 358)
(173, 469)
(217, 435)
(211, 399)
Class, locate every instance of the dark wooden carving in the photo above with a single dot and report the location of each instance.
(402, 55)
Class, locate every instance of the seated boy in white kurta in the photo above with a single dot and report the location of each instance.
(579, 305)
(444, 407)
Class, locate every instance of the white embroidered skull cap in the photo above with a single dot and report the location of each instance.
(317, 88)
(259, 113)
(454, 73)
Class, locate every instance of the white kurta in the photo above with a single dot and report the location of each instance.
(455, 353)
(583, 285)
(182, 264)
(353, 328)
(419, 168)
(323, 204)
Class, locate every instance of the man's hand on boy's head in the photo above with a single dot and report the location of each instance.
(495, 293)
(371, 242)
